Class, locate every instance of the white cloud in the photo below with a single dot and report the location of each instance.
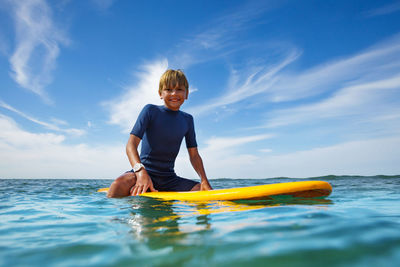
(364, 157)
(51, 126)
(221, 155)
(45, 155)
(37, 45)
(217, 144)
(125, 108)
(10, 135)
(362, 101)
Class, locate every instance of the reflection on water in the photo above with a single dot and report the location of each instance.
(160, 222)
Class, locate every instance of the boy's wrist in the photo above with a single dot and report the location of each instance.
(138, 166)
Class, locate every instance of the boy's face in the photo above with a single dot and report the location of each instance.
(173, 96)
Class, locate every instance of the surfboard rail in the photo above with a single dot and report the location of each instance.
(305, 189)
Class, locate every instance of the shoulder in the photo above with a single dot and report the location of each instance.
(150, 108)
(186, 115)
(148, 112)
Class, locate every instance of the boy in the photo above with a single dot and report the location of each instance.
(162, 129)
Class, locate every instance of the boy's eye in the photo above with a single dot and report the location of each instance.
(178, 90)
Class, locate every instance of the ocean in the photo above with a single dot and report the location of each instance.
(50, 222)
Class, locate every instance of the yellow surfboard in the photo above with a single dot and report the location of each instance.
(295, 189)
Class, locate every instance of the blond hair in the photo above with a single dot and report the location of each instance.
(173, 78)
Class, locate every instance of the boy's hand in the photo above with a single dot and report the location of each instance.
(205, 185)
(143, 182)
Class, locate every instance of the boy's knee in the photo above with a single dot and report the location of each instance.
(122, 185)
(128, 178)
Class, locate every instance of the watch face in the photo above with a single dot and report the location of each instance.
(137, 167)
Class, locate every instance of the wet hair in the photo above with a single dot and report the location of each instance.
(172, 78)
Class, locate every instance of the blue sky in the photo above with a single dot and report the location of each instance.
(278, 88)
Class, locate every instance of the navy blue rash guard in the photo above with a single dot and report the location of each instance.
(162, 131)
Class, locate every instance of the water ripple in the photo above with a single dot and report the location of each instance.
(66, 223)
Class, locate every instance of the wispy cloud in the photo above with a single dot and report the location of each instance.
(361, 92)
(384, 10)
(125, 108)
(275, 83)
(219, 37)
(243, 85)
(103, 4)
(215, 144)
(51, 126)
(37, 43)
(376, 62)
(362, 100)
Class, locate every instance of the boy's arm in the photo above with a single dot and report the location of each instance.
(198, 166)
(143, 181)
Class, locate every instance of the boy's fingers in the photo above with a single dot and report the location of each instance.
(144, 189)
(137, 190)
(152, 189)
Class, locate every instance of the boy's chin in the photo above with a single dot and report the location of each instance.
(175, 106)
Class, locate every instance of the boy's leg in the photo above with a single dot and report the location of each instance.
(121, 187)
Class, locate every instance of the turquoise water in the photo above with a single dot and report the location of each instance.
(67, 223)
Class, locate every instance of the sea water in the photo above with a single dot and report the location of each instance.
(46, 222)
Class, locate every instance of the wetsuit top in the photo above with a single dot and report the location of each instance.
(162, 131)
